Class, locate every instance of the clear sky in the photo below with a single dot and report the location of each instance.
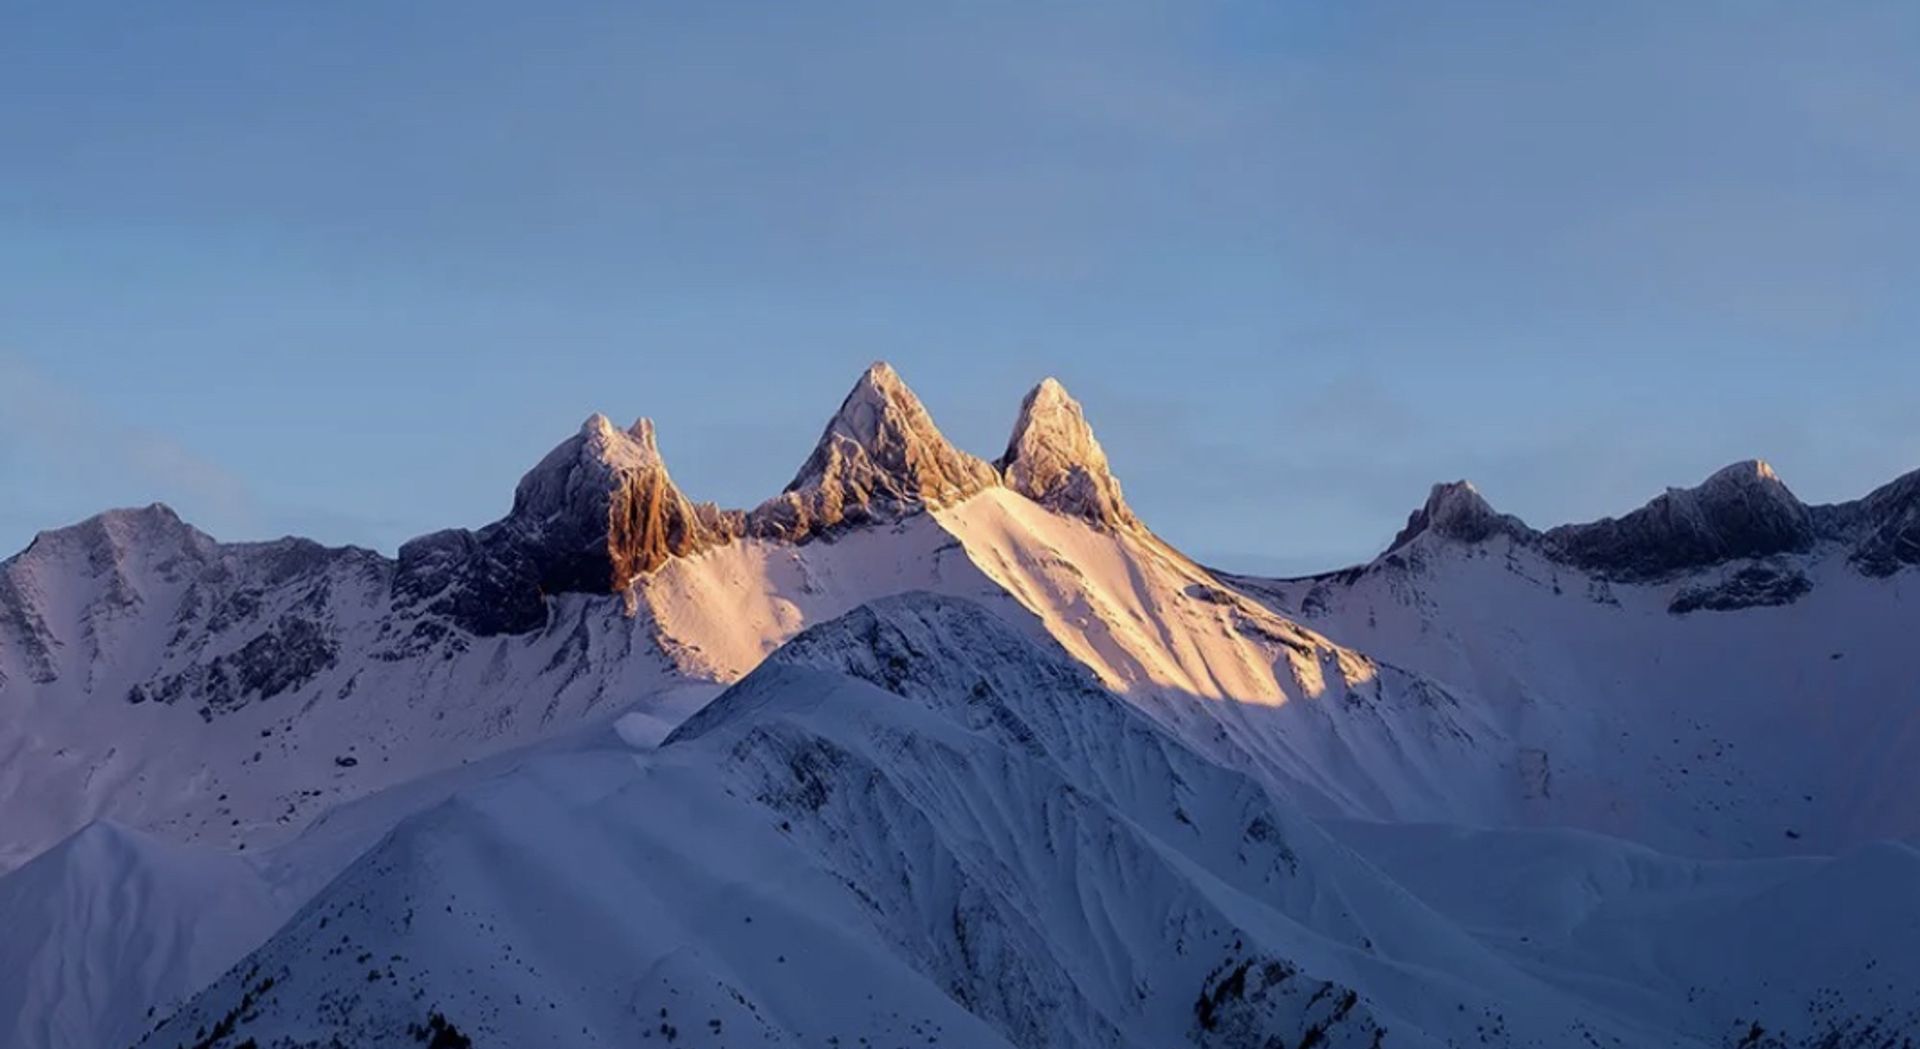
(348, 269)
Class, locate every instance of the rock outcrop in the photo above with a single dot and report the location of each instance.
(1054, 460)
(1742, 511)
(1884, 527)
(880, 458)
(1456, 510)
(598, 511)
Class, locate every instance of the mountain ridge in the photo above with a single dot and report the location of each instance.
(1742, 511)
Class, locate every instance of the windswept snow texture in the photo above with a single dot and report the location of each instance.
(915, 825)
(990, 764)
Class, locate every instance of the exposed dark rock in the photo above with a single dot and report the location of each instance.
(597, 512)
(287, 655)
(1884, 526)
(1754, 586)
(1741, 511)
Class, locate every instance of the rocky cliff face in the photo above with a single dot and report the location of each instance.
(1054, 460)
(1741, 511)
(880, 458)
(1884, 526)
(1458, 511)
(599, 510)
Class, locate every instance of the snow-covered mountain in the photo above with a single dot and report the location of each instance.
(916, 825)
(230, 692)
(1724, 672)
(1073, 789)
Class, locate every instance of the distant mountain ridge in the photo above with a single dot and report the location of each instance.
(1037, 777)
(1741, 511)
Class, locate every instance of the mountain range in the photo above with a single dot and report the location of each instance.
(929, 749)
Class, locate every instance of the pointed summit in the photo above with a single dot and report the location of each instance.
(880, 458)
(1456, 510)
(1053, 459)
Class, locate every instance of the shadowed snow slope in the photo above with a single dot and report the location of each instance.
(914, 824)
(112, 922)
(1762, 706)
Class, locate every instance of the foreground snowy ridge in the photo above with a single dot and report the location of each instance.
(985, 743)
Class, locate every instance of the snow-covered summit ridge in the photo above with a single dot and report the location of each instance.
(1054, 459)
(1740, 511)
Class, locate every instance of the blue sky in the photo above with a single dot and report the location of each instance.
(347, 270)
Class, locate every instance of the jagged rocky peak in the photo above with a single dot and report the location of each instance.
(880, 458)
(595, 513)
(1456, 510)
(1743, 510)
(601, 508)
(1054, 459)
(1884, 526)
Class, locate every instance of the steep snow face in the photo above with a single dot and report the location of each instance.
(1324, 725)
(719, 613)
(914, 825)
(1054, 460)
(1752, 708)
(880, 459)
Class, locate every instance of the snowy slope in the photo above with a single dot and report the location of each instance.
(915, 825)
(228, 693)
(1706, 712)
(112, 923)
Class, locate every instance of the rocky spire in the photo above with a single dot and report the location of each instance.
(880, 458)
(1054, 460)
(601, 508)
(1456, 510)
(595, 513)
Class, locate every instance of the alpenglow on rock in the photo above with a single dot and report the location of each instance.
(1054, 460)
(597, 511)
(880, 458)
(601, 508)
